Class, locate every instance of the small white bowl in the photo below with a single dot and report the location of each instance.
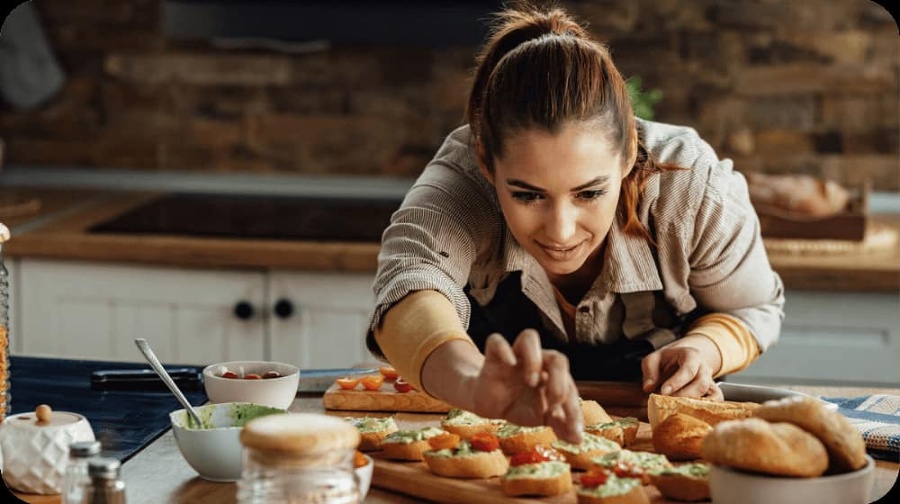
(276, 392)
(364, 474)
(215, 450)
(730, 486)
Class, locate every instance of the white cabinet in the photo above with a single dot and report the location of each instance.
(95, 310)
(833, 338)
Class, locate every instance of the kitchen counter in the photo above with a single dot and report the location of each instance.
(59, 230)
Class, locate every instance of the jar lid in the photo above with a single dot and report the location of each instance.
(81, 449)
(300, 433)
(42, 418)
(104, 468)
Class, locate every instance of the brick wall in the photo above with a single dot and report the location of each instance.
(780, 86)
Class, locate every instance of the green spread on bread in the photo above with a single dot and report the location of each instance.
(510, 430)
(541, 470)
(590, 442)
(649, 462)
(370, 424)
(696, 470)
(614, 485)
(412, 436)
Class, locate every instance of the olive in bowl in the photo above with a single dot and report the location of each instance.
(261, 382)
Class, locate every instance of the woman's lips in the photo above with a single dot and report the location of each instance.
(559, 253)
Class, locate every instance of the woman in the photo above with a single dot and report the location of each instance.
(557, 237)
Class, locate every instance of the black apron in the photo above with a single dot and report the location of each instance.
(510, 312)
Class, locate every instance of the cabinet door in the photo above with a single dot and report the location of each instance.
(96, 310)
(834, 338)
(330, 314)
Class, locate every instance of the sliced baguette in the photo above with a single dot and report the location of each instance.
(517, 485)
(681, 485)
(477, 464)
(593, 413)
(660, 407)
(680, 437)
(631, 493)
(514, 439)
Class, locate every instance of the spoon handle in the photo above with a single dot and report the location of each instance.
(145, 349)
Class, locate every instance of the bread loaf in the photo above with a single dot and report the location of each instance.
(660, 407)
(753, 444)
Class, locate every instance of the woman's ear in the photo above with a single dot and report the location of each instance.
(481, 158)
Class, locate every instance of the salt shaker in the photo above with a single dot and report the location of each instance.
(105, 486)
(299, 458)
(76, 478)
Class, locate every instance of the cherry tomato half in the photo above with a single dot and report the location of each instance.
(402, 385)
(230, 374)
(485, 441)
(347, 383)
(252, 376)
(529, 457)
(594, 478)
(388, 372)
(444, 441)
(372, 382)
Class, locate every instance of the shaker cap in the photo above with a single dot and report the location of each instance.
(4, 233)
(83, 449)
(104, 467)
(300, 434)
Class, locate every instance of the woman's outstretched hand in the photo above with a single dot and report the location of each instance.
(528, 386)
(683, 368)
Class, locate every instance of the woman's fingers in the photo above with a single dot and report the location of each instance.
(528, 353)
(650, 369)
(497, 350)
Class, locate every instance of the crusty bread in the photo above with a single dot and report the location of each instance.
(466, 424)
(409, 445)
(539, 486)
(594, 413)
(640, 464)
(659, 407)
(683, 486)
(633, 494)
(845, 444)
(753, 444)
(680, 437)
(476, 464)
(372, 431)
(514, 439)
(629, 429)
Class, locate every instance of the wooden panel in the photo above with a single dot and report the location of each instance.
(386, 399)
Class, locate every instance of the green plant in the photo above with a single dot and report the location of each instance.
(642, 101)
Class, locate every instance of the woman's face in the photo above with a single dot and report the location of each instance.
(558, 194)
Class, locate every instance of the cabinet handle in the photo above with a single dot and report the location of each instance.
(243, 310)
(284, 308)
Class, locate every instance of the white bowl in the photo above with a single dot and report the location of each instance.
(730, 486)
(276, 392)
(215, 450)
(364, 474)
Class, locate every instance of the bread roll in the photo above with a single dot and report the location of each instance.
(844, 443)
(660, 407)
(680, 437)
(753, 444)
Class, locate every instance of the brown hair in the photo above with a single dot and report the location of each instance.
(542, 69)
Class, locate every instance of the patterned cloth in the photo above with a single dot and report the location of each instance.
(878, 419)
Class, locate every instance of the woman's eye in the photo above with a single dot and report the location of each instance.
(526, 196)
(590, 195)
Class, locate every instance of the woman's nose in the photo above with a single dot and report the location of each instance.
(560, 224)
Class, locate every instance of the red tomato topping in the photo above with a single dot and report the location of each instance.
(402, 385)
(359, 460)
(444, 441)
(529, 457)
(372, 382)
(230, 374)
(388, 372)
(252, 376)
(550, 453)
(485, 441)
(347, 383)
(627, 471)
(594, 478)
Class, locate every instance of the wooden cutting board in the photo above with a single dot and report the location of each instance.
(385, 399)
(413, 478)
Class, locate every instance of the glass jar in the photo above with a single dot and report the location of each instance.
(105, 486)
(76, 477)
(5, 396)
(299, 458)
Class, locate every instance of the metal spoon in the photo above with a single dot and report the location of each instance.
(144, 347)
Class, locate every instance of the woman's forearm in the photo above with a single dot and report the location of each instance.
(450, 371)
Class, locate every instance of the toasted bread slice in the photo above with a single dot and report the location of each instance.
(464, 462)
(516, 439)
(579, 456)
(680, 437)
(466, 424)
(686, 482)
(541, 479)
(372, 431)
(594, 413)
(615, 491)
(640, 464)
(609, 430)
(409, 444)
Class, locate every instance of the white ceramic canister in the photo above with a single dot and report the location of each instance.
(35, 448)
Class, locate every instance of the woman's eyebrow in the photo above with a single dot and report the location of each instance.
(525, 185)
